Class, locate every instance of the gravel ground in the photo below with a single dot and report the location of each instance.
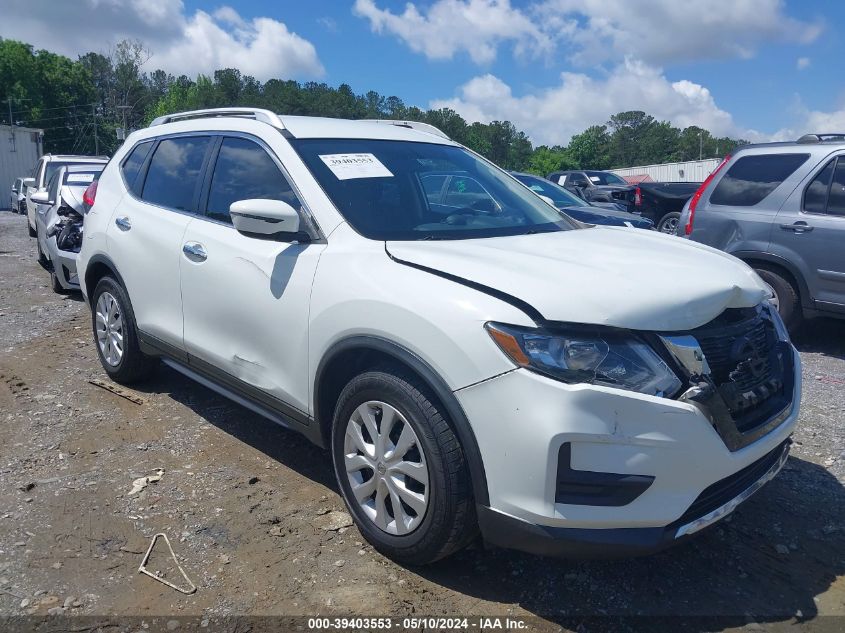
(254, 516)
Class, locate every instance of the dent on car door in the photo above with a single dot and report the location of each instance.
(811, 229)
(246, 299)
(145, 233)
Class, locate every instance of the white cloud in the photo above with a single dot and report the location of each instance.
(554, 115)
(476, 27)
(802, 63)
(180, 43)
(659, 32)
(665, 32)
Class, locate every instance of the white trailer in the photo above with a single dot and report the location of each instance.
(20, 149)
(687, 171)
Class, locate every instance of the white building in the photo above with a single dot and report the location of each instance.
(20, 148)
(688, 171)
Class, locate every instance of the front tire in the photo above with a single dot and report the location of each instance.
(400, 468)
(116, 336)
(32, 232)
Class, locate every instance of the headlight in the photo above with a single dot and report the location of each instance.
(613, 359)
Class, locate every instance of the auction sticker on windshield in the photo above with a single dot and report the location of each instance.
(348, 166)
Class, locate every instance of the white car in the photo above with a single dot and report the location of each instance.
(17, 202)
(41, 175)
(483, 364)
(58, 221)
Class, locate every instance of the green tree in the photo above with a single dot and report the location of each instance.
(590, 149)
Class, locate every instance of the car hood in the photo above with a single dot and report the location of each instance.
(602, 212)
(639, 280)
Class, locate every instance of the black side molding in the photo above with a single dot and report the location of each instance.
(588, 488)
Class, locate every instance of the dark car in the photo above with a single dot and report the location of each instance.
(577, 208)
(660, 202)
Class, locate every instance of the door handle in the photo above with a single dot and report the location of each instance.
(797, 227)
(123, 223)
(194, 251)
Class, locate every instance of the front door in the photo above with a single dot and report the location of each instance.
(246, 299)
(810, 231)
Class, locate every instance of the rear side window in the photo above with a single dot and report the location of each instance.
(245, 171)
(132, 165)
(173, 175)
(751, 178)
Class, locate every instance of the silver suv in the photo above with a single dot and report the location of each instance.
(780, 207)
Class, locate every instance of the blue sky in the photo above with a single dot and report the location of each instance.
(754, 68)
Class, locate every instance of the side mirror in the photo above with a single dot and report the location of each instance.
(14, 189)
(266, 218)
(41, 197)
(29, 182)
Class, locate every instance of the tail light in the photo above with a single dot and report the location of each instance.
(693, 203)
(638, 197)
(90, 194)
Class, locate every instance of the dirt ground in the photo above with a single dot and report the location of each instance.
(250, 509)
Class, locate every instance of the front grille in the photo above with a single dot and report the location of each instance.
(747, 365)
(724, 490)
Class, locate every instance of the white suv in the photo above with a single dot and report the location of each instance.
(472, 362)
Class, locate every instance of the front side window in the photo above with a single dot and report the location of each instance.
(752, 178)
(378, 186)
(433, 186)
(245, 171)
(173, 176)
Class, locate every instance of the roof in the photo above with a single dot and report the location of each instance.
(315, 127)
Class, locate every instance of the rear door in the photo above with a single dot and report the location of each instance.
(145, 237)
(810, 233)
(739, 212)
(246, 299)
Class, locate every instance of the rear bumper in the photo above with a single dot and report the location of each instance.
(714, 504)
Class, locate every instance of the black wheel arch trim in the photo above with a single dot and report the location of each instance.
(108, 263)
(433, 380)
(804, 295)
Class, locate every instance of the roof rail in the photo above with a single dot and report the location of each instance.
(259, 114)
(414, 125)
(818, 138)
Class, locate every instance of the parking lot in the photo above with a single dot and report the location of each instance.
(253, 513)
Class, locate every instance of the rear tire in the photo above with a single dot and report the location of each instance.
(669, 223)
(116, 335)
(31, 230)
(444, 519)
(787, 300)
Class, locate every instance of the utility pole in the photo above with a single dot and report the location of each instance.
(700, 143)
(11, 120)
(96, 140)
(123, 109)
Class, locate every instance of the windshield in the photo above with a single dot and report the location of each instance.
(605, 178)
(403, 190)
(560, 196)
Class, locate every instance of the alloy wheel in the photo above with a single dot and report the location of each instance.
(669, 226)
(110, 329)
(386, 468)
